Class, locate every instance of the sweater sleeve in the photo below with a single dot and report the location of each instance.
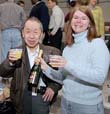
(100, 60)
(54, 75)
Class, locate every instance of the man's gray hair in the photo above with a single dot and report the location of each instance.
(37, 20)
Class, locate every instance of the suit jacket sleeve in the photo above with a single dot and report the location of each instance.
(50, 83)
(5, 69)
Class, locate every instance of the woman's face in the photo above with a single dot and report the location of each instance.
(80, 22)
(93, 2)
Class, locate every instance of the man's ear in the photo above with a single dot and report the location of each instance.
(22, 33)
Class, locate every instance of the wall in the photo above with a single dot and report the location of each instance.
(105, 4)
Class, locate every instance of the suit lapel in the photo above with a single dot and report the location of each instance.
(26, 61)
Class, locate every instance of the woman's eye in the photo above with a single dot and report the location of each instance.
(27, 31)
(36, 32)
(75, 17)
(84, 18)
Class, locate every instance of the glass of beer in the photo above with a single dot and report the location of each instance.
(52, 63)
(17, 53)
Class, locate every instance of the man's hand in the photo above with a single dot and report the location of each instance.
(49, 93)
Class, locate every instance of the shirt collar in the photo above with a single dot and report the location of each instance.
(54, 7)
(36, 51)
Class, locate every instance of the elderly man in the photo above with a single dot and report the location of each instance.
(25, 99)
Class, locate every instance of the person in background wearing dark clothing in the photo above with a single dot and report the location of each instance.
(40, 10)
(24, 100)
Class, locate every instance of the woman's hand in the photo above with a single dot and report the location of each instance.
(57, 61)
(44, 65)
(54, 61)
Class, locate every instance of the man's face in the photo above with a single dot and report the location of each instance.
(93, 2)
(50, 4)
(32, 33)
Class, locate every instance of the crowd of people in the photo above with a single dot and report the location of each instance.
(80, 68)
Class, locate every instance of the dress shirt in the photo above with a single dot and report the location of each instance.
(32, 56)
(56, 19)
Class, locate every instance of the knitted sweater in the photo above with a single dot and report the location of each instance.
(87, 62)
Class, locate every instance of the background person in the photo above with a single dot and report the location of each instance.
(12, 17)
(98, 17)
(56, 24)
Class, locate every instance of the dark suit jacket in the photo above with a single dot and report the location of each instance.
(40, 11)
(20, 73)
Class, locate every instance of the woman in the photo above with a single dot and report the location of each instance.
(82, 67)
